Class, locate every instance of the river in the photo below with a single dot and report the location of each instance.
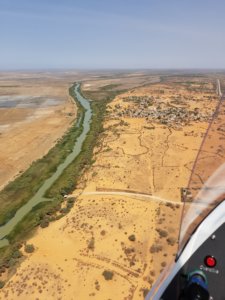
(39, 196)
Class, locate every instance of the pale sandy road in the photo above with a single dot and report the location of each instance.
(138, 196)
(128, 194)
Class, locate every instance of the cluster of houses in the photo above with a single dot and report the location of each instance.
(159, 112)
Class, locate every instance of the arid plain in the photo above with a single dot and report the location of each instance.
(123, 229)
(35, 110)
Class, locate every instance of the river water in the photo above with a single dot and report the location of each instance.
(39, 196)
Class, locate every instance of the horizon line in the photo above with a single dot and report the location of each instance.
(109, 69)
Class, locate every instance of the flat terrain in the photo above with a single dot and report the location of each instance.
(123, 228)
(34, 112)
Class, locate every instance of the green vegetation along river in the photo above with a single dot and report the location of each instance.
(40, 194)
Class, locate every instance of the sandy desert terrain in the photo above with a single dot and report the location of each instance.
(34, 112)
(123, 229)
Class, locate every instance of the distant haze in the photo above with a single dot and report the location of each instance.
(101, 34)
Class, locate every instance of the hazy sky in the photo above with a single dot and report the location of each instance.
(112, 34)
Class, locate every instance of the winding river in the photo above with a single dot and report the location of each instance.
(39, 196)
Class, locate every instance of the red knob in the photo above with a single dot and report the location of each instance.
(210, 261)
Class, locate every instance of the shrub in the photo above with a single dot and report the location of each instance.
(17, 254)
(171, 241)
(64, 210)
(91, 244)
(163, 264)
(108, 275)
(2, 283)
(145, 292)
(29, 248)
(12, 262)
(152, 273)
(71, 200)
(162, 233)
(132, 238)
(155, 248)
(44, 223)
(69, 205)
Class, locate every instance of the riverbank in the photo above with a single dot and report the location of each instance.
(22, 189)
(46, 212)
(34, 114)
(25, 186)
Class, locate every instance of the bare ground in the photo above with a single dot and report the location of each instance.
(132, 237)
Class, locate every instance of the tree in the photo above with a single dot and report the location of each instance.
(29, 248)
(132, 238)
(108, 275)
